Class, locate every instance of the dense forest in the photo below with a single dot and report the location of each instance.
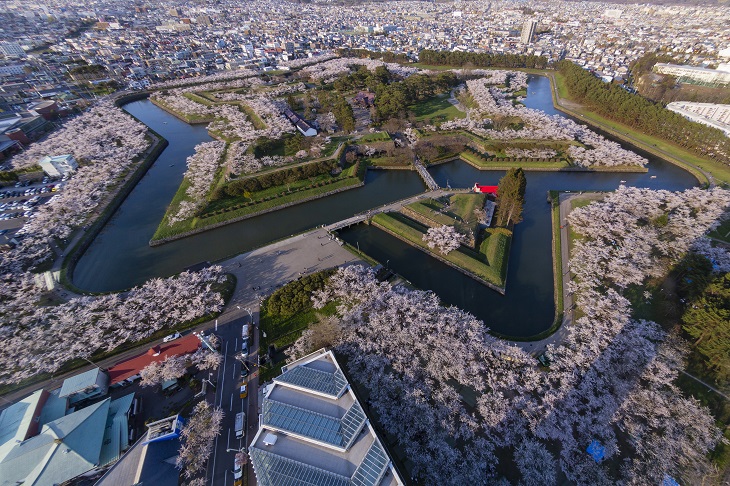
(481, 60)
(613, 102)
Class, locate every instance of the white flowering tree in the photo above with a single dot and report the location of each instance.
(174, 367)
(156, 373)
(444, 238)
(197, 437)
(611, 379)
(43, 338)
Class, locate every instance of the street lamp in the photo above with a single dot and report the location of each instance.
(387, 264)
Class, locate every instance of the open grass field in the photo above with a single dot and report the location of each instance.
(436, 109)
(459, 212)
(375, 137)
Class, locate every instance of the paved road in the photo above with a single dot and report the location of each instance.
(227, 397)
(266, 269)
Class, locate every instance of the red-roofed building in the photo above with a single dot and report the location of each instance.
(485, 189)
(127, 369)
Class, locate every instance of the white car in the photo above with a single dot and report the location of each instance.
(171, 337)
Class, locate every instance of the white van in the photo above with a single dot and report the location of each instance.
(171, 337)
(240, 424)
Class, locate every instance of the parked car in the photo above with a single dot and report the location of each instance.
(171, 337)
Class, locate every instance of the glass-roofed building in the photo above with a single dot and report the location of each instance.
(314, 432)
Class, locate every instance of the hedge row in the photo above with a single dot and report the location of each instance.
(238, 187)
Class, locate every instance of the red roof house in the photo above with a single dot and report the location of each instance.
(131, 367)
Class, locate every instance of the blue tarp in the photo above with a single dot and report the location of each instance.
(669, 481)
(596, 450)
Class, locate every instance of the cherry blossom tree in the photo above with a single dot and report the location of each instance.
(197, 437)
(43, 338)
(444, 238)
(156, 373)
(604, 383)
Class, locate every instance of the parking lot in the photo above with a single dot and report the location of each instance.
(18, 203)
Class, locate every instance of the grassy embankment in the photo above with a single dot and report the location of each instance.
(488, 261)
(657, 146)
(722, 232)
(187, 118)
(257, 202)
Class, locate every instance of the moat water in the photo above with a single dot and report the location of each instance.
(120, 257)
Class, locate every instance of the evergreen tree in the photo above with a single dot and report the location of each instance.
(511, 197)
(707, 321)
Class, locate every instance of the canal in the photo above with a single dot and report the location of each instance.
(120, 257)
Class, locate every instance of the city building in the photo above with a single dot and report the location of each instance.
(85, 386)
(129, 369)
(151, 460)
(58, 165)
(11, 49)
(312, 427)
(696, 75)
(68, 446)
(528, 31)
(711, 114)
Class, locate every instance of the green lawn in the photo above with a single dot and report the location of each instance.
(436, 109)
(722, 232)
(459, 214)
(501, 163)
(256, 121)
(463, 205)
(375, 137)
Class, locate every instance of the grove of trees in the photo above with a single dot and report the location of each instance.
(481, 60)
(461, 401)
(238, 187)
(40, 339)
(392, 100)
(617, 104)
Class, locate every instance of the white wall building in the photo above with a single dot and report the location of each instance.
(58, 165)
(716, 77)
(714, 115)
(528, 31)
